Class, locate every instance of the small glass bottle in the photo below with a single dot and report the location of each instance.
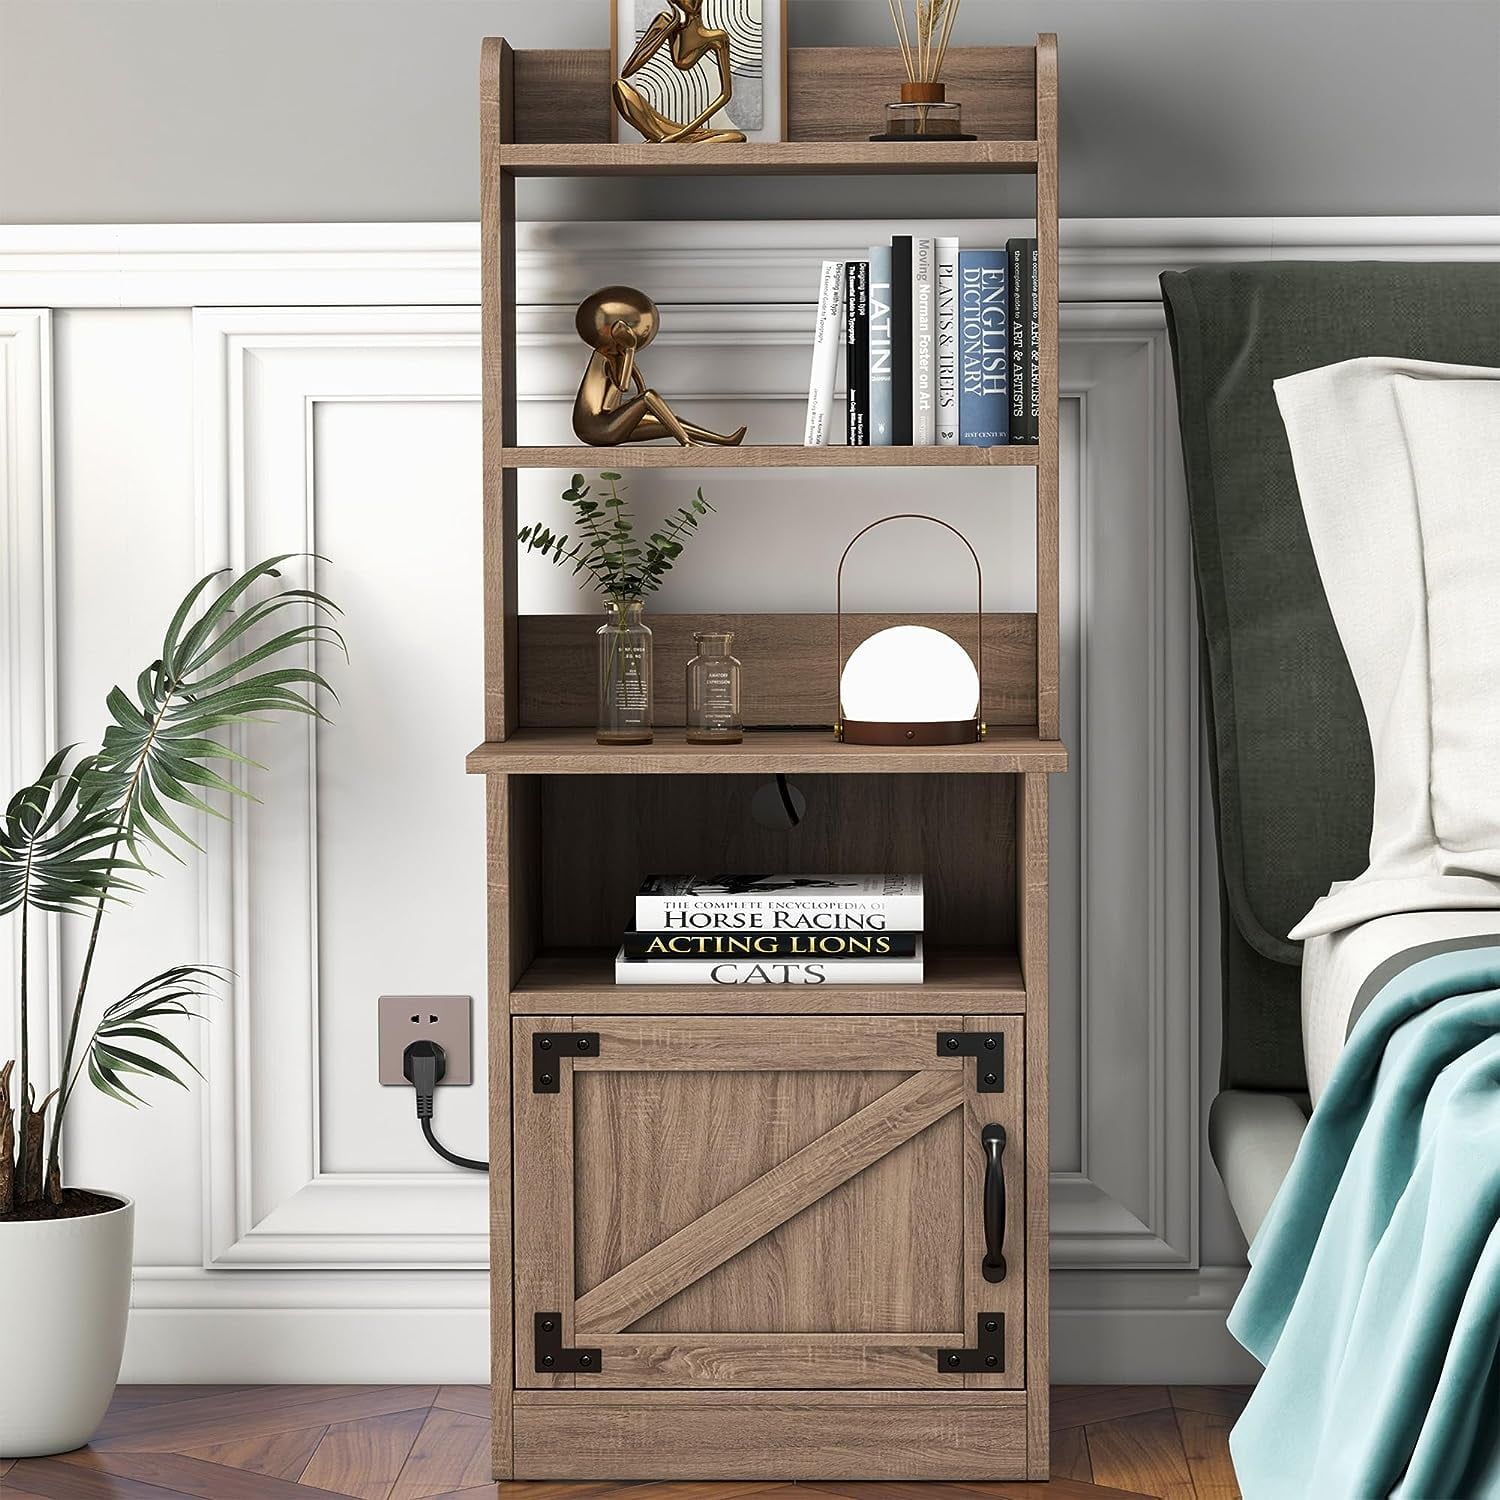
(624, 675)
(713, 691)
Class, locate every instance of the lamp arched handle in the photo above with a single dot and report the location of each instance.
(838, 627)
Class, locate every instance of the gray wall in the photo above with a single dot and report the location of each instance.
(201, 110)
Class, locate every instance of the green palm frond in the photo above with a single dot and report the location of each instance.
(232, 665)
(55, 842)
(129, 1042)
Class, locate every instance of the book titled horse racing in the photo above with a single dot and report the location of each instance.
(779, 903)
(800, 971)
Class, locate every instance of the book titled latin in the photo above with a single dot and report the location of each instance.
(828, 345)
(945, 282)
(779, 903)
(844, 971)
(849, 942)
(983, 348)
(857, 352)
(880, 345)
(923, 341)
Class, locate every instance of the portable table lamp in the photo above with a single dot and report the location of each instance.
(909, 684)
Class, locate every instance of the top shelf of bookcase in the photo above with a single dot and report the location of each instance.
(556, 118)
(778, 159)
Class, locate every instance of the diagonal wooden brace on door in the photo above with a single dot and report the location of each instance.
(741, 1219)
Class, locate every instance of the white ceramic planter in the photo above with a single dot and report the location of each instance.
(65, 1297)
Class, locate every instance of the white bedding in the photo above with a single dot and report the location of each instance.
(1336, 967)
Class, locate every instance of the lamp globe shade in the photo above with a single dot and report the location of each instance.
(911, 674)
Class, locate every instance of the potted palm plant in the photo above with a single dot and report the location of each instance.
(77, 841)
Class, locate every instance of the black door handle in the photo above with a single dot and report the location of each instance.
(992, 1138)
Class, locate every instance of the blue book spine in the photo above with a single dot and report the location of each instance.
(983, 348)
(880, 345)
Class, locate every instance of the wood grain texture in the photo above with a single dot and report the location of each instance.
(1047, 449)
(502, 958)
(572, 752)
(658, 1151)
(789, 1187)
(695, 1044)
(451, 1452)
(190, 1476)
(1081, 1405)
(1031, 885)
(983, 980)
(791, 673)
(1070, 1455)
(543, 1196)
(791, 1441)
(363, 1458)
(775, 1361)
(282, 1455)
(1008, 1109)
(948, 829)
(1142, 1453)
(766, 456)
(1205, 1446)
(795, 159)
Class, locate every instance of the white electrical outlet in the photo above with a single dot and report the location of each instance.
(444, 1019)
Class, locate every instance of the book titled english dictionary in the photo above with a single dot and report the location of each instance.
(779, 903)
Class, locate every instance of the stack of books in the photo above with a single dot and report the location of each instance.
(775, 929)
(938, 345)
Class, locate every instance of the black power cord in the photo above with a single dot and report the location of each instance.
(424, 1064)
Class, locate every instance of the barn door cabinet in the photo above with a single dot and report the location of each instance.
(760, 1231)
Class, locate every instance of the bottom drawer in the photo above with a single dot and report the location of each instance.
(755, 1435)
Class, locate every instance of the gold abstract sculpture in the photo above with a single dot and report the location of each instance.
(682, 30)
(614, 404)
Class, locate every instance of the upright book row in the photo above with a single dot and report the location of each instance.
(938, 346)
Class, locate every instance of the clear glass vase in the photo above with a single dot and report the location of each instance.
(713, 691)
(624, 716)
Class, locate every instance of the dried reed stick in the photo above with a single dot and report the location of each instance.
(898, 16)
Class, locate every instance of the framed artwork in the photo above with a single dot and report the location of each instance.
(757, 64)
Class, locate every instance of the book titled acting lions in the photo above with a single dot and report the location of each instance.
(775, 929)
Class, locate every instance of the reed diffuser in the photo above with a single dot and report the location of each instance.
(923, 113)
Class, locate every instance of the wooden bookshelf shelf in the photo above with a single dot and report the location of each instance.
(642, 456)
(770, 752)
(966, 980)
(676, 1164)
(786, 158)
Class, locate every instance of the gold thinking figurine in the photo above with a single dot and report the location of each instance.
(613, 403)
(690, 41)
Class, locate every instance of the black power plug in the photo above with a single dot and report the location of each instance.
(424, 1063)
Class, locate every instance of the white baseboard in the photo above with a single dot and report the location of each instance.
(189, 1326)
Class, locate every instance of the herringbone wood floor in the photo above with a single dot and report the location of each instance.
(423, 1442)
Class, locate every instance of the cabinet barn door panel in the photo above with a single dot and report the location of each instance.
(753, 1202)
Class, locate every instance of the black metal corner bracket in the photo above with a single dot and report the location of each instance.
(987, 1359)
(988, 1050)
(552, 1358)
(549, 1048)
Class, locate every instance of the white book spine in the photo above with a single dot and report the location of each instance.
(945, 263)
(923, 344)
(866, 972)
(673, 914)
(828, 347)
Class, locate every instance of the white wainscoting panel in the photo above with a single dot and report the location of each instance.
(28, 643)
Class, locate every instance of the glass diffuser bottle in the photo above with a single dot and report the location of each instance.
(624, 716)
(713, 691)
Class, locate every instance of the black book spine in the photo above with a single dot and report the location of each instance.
(901, 350)
(857, 352)
(1033, 349)
(1015, 251)
(855, 943)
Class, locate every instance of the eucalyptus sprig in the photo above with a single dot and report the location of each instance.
(619, 563)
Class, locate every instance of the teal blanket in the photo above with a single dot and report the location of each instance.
(1373, 1298)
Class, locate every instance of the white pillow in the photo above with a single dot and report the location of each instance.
(1424, 646)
